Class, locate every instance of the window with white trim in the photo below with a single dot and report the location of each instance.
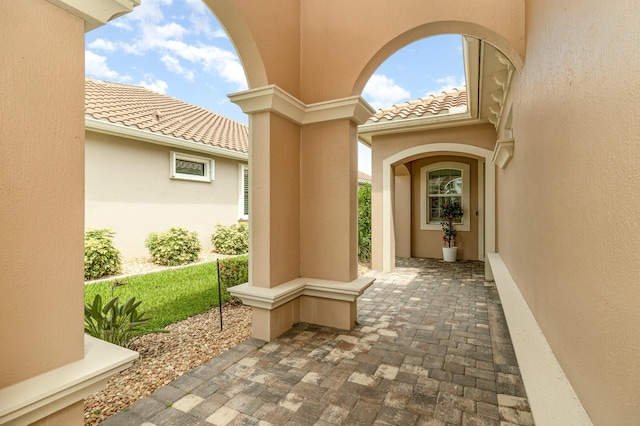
(441, 182)
(191, 167)
(243, 192)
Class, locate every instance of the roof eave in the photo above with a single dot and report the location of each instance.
(368, 130)
(117, 129)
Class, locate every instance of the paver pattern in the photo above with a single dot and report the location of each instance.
(431, 348)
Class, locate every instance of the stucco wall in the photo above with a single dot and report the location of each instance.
(385, 146)
(569, 201)
(128, 189)
(41, 170)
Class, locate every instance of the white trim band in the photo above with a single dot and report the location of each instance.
(273, 99)
(38, 397)
(271, 298)
(96, 13)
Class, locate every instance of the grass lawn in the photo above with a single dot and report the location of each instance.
(166, 296)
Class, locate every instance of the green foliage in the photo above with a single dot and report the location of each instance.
(101, 257)
(364, 222)
(234, 271)
(169, 296)
(451, 211)
(177, 246)
(232, 239)
(113, 322)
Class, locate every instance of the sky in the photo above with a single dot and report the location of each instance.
(178, 48)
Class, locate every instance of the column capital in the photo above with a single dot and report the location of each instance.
(96, 13)
(273, 99)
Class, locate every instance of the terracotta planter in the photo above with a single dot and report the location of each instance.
(449, 253)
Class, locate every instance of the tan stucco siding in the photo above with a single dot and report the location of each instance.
(386, 146)
(129, 189)
(41, 158)
(303, 57)
(569, 201)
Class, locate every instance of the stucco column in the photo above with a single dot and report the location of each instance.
(328, 210)
(47, 364)
(274, 177)
(42, 174)
(303, 218)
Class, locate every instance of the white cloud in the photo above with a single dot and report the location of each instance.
(200, 24)
(152, 83)
(196, 6)
(102, 44)
(220, 33)
(381, 91)
(149, 11)
(448, 83)
(168, 31)
(171, 42)
(212, 58)
(154, 37)
(96, 66)
(174, 66)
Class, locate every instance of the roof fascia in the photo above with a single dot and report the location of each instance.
(116, 129)
(472, 68)
(367, 131)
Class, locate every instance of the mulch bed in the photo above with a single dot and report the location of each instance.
(166, 356)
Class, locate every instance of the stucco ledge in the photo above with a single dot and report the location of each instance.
(271, 298)
(551, 396)
(38, 397)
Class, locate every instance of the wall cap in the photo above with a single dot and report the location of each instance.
(271, 298)
(551, 396)
(38, 397)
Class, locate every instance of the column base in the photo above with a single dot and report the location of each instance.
(314, 301)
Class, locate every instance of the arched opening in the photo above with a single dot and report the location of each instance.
(460, 125)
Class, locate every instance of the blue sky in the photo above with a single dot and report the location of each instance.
(177, 47)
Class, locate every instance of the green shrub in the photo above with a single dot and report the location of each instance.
(232, 239)
(177, 246)
(364, 222)
(101, 257)
(113, 322)
(234, 271)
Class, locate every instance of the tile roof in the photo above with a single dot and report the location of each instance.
(362, 176)
(423, 107)
(138, 107)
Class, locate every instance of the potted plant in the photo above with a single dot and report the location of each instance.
(451, 211)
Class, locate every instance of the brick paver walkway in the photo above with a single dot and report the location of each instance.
(431, 348)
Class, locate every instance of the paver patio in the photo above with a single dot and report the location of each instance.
(431, 348)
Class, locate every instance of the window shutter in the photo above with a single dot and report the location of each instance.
(246, 191)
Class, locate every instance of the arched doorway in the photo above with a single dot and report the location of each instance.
(485, 198)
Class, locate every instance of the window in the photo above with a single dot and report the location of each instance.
(190, 167)
(441, 182)
(243, 192)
